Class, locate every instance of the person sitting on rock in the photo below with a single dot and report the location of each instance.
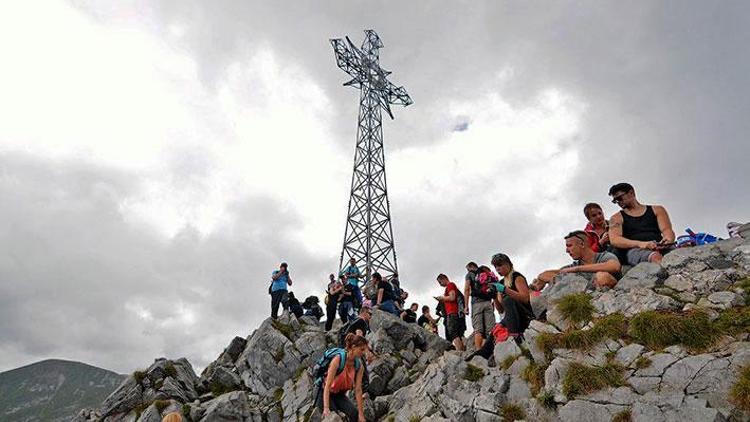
(642, 233)
(477, 286)
(333, 395)
(353, 275)
(346, 305)
(449, 299)
(279, 296)
(512, 297)
(601, 269)
(312, 308)
(386, 300)
(597, 228)
(427, 321)
(410, 314)
(333, 295)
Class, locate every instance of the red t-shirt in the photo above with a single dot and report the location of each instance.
(451, 307)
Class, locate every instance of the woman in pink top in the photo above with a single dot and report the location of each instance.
(597, 228)
(337, 384)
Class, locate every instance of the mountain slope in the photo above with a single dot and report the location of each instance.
(53, 390)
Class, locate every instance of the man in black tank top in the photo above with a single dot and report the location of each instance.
(641, 233)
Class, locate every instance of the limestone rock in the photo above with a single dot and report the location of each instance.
(584, 411)
(628, 354)
(644, 275)
(632, 302)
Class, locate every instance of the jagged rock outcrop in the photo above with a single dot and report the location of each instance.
(591, 370)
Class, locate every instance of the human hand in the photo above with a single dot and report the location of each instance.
(604, 239)
(326, 412)
(649, 245)
(438, 298)
(500, 288)
(466, 310)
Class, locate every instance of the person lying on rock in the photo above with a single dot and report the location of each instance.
(333, 395)
(597, 228)
(641, 233)
(601, 269)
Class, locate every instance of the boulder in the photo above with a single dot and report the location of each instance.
(644, 275)
(632, 302)
(232, 406)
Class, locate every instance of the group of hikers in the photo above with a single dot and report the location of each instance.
(638, 233)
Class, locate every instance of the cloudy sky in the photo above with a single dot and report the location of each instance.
(159, 159)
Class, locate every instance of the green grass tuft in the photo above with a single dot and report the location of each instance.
(298, 374)
(185, 411)
(547, 399)
(612, 326)
(642, 362)
(415, 419)
(279, 354)
(278, 394)
(624, 416)
(217, 389)
(533, 374)
(512, 412)
(576, 308)
(658, 330)
(734, 321)
(508, 361)
(161, 404)
(473, 373)
(582, 379)
(139, 376)
(739, 394)
(170, 370)
(284, 329)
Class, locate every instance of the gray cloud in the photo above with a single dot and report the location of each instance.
(665, 89)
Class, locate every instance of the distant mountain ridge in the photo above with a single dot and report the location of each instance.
(53, 390)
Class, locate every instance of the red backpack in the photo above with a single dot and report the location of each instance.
(482, 287)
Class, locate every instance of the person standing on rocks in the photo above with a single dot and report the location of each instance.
(513, 297)
(346, 301)
(453, 331)
(279, 295)
(353, 275)
(333, 294)
(482, 310)
(642, 233)
(333, 395)
(601, 269)
(597, 228)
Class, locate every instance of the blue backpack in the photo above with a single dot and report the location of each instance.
(320, 369)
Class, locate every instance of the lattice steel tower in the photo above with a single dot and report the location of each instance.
(369, 236)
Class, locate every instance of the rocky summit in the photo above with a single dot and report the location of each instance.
(669, 343)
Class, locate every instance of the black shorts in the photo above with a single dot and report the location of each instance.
(453, 327)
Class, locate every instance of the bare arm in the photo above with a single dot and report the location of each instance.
(467, 293)
(358, 393)
(616, 238)
(611, 267)
(276, 275)
(380, 296)
(522, 295)
(665, 225)
(335, 362)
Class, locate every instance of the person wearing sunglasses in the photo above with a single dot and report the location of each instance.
(641, 233)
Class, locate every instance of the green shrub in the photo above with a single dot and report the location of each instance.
(642, 362)
(612, 326)
(739, 394)
(576, 308)
(734, 321)
(169, 369)
(658, 330)
(624, 416)
(508, 361)
(547, 399)
(186, 411)
(139, 376)
(161, 405)
(473, 373)
(512, 412)
(582, 379)
(217, 389)
(533, 374)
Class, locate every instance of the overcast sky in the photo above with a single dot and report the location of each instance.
(159, 159)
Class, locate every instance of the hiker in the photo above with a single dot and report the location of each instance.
(346, 301)
(279, 281)
(482, 301)
(514, 299)
(359, 325)
(312, 308)
(353, 275)
(333, 388)
(294, 306)
(427, 321)
(450, 299)
(642, 233)
(601, 269)
(334, 291)
(597, 228)
(172, 417)
(410, 314)
(386, 300)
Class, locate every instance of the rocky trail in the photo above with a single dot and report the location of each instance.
(670, 343)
